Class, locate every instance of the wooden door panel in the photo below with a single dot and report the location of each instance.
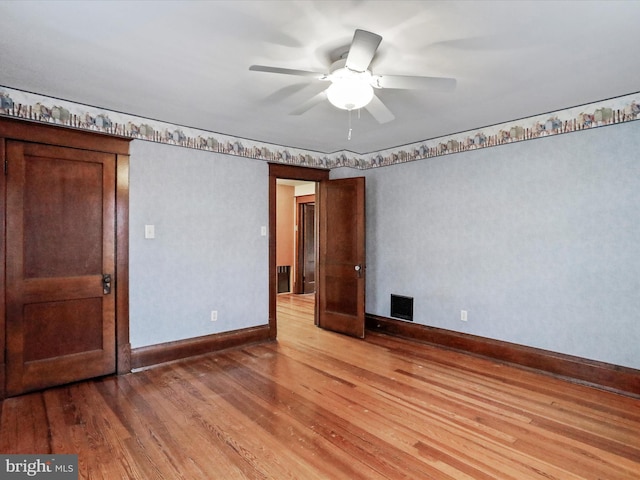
(54, 329)
(340, 294)
(341, 225)
(341, 279)
(60, 197)
(60, 241)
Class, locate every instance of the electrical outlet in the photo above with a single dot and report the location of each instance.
(463, 315)
(214, 315)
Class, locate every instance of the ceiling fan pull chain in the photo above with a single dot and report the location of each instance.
(349, 134)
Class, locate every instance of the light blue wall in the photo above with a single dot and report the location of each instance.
(539, 241)
(208, 254)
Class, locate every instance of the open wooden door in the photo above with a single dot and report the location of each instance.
(60, 267)
(306, 248)
(341, 266)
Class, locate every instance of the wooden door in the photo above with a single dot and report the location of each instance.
(341, 267)
(60, 242)
(307, 247)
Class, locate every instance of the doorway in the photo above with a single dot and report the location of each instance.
(340, 256)
(285, 174)
(295, 233)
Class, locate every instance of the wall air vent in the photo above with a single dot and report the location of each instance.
(402, 307)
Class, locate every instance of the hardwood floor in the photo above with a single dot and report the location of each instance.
(318, 405)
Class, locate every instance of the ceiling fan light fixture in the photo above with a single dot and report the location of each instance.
(350, 90)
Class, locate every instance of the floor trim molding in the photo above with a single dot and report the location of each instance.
(142, 357)
(606, 376)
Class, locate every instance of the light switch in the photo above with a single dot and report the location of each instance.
(263, 231)
(149, 231)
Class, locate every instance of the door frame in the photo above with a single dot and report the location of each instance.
(26, 131)
(289, 172)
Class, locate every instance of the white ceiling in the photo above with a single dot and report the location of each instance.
(187, 62)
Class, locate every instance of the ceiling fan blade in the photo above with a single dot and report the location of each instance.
(363, 48)
(443, 84)
(285, 92)
(287, 71)
(309, 104)
(379, 110)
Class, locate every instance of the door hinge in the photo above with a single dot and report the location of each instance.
(6, 166)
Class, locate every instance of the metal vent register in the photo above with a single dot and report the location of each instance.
(402, 307)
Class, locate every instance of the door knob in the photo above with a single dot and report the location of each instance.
(106, 283)
(358, 269)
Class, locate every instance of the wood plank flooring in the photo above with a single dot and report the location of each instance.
(318, 405)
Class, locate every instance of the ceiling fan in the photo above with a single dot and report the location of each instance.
(353, 83)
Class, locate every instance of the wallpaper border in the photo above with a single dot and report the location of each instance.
(30, 106)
